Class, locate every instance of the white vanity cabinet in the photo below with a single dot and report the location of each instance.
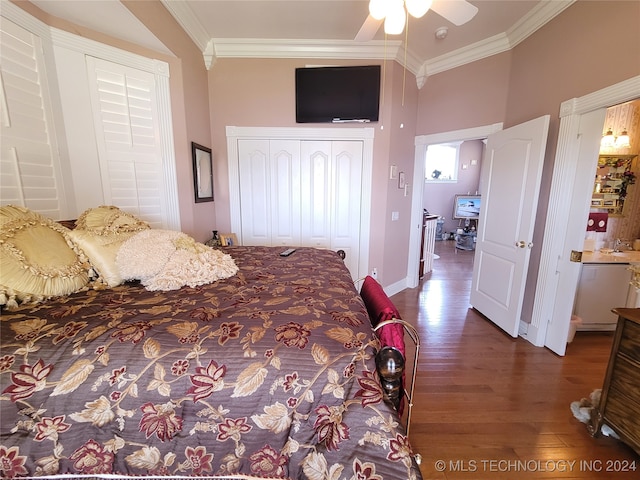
(602, 287)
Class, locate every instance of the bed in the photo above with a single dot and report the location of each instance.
(269, 373)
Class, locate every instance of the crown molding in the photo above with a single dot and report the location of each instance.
(189, 22)
(278, 48)
(477, 51)
(539, 16)
(213, 48)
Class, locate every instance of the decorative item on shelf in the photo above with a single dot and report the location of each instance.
(628, 178)
(215, 240)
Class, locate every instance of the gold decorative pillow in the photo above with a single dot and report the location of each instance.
(37, 260)
(108, 219)
(99, 233)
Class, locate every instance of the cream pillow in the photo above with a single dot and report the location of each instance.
(37, 260)
(101, 250)
(99, 233)
(168, 260)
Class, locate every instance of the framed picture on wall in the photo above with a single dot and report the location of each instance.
(202, 173)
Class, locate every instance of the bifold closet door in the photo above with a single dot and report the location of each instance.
(302, 193)
(332, 196)
(269, 191)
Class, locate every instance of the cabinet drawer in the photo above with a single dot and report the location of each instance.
(630, 340)
(626, 378)
(621, 414)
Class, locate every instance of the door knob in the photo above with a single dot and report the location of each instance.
(521, 244)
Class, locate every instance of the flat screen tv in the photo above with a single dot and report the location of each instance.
(466, 207)
(337, 94)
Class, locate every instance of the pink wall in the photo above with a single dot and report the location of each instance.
(390, 239)
(465, 97)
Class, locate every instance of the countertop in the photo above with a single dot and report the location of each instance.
(631, 256)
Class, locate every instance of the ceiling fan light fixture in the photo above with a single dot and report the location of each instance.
(378, 8)
(418, 8)
(395, 19)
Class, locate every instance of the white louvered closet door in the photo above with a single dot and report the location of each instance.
(29, 166)
(127, 136)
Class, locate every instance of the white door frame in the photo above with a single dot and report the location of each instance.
(417, 205)
(557, 277)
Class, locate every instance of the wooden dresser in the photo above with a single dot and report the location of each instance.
(620, 401)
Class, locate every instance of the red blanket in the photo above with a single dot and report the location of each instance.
(381, 308)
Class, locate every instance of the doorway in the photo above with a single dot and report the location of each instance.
(581, 124)
(557, 277)
(417, 199)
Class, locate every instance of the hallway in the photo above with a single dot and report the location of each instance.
(485, 401)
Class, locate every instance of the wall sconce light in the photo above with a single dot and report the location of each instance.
(623, 140)
(610, 141)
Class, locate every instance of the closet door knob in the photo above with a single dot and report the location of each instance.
(521, 244)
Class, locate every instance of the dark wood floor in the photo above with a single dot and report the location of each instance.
(488, 406)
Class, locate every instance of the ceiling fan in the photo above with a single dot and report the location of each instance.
(393, 14)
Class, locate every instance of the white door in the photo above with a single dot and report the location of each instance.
(269, 191)
(127, 123)
(255, 192)
(315, 200)
(346, 195)
(574, 219)
(509, 185)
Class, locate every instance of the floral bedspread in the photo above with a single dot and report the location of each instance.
(267, 374)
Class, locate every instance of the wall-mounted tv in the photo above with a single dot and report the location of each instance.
(466, 207)
(337, 94)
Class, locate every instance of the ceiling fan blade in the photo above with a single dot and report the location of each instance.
(457, 12)
(369, 29)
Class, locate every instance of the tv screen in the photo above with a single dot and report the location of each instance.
(337, 94)
(466, 207)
